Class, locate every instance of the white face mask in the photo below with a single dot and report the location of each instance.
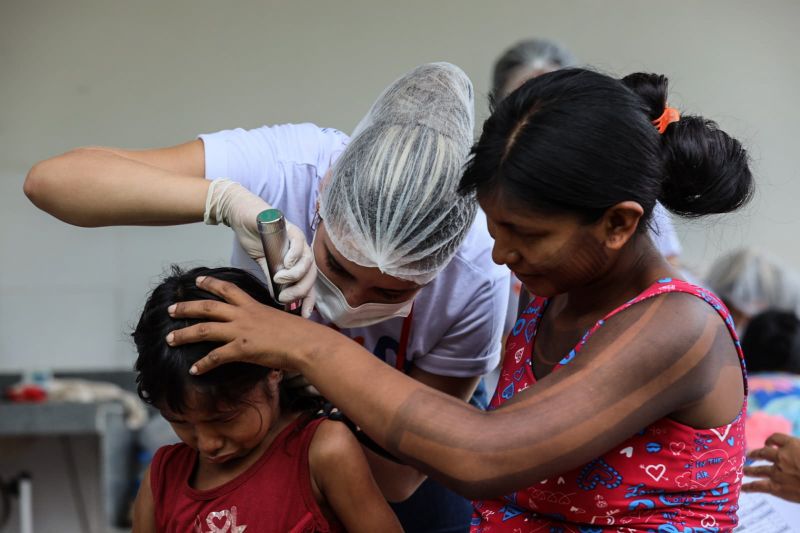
(333, 306)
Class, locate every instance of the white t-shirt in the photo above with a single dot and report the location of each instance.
(662, 231)
(457, 319)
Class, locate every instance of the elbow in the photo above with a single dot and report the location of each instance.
(477, 490)
(480, 489)
(46, 177)
(37, 184)
(476, 483)
(487, 476)
(46, 185)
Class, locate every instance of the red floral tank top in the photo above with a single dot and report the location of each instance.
(668, 478)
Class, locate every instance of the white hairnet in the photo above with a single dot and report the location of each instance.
(753, 282)
(392, 200)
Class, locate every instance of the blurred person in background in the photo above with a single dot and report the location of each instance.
(751, 281)
(771, 346)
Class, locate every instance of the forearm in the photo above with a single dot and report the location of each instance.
(566, 419)
(100, 187)
(436, 433)
(485, 454)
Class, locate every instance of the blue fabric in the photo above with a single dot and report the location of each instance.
(434, 509)
(480, 398)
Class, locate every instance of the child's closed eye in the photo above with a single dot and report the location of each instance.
(226, 417)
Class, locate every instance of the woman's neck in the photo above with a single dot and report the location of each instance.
(637, 266)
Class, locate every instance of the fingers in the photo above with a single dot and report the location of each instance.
(759, 471)
(763, 485)
(297, 246)
(206, 309)
(300, 269)
(308, 304)
(262, 262)
(778, 439)
(202, 332)
(224, 289)
(301, 289)
(768, 452)
(215, 358)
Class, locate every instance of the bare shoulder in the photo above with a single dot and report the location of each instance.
(334, 456)
(332, 441)
(676, 319)
(689, 312)
(674, 337)
(342, 476)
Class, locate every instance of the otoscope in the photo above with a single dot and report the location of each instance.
(275, 241)
(272, 228)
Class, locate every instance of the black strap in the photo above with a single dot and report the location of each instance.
(332, 413)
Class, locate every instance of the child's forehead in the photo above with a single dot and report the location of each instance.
(201, 403)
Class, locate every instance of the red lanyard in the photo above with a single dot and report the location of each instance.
(402, 348)
(400, 362)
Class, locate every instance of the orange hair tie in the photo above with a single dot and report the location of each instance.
(669, 116)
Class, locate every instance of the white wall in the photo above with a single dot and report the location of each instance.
(150, 73)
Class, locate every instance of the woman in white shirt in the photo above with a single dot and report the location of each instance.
(404, 262)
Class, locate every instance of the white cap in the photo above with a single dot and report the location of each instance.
(392, 201)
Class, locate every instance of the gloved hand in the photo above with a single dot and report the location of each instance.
(236, 207)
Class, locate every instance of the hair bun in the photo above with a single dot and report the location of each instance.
(707, 171)
(652, 89)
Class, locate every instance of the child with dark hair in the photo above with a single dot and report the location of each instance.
(253, 455)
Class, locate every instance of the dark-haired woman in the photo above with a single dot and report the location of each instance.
(621, 401)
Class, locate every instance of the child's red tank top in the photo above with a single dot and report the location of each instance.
(667, 478)
(273, 495)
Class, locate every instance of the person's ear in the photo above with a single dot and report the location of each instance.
(275, 377)
(619, 223)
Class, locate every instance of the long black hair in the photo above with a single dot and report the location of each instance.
(579, 141)
(163, 371)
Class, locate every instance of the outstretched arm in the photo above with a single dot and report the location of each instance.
(632, 372)
(107, 186)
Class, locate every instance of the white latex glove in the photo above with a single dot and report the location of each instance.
(236, 207)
